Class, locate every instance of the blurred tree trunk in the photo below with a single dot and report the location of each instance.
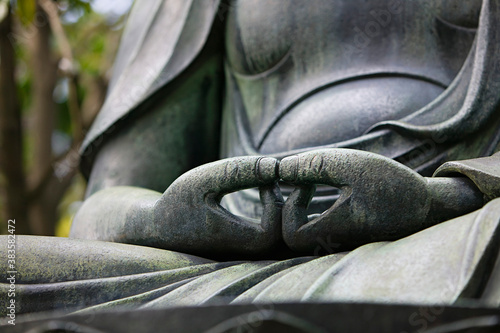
(32, 197)
(11, 146)
(43, 210)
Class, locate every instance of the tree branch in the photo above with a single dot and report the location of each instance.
(61, 166)
(66, 65)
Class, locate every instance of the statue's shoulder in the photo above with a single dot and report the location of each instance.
(159, 42)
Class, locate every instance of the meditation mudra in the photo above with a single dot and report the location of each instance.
(287, 151)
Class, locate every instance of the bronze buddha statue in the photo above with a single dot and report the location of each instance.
(364, 130)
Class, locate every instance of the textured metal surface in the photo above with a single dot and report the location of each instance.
(303, 318)
(406, 85)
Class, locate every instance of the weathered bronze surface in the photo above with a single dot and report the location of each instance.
(280, 318)
(357, 145)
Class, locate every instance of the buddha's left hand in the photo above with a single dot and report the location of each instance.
(380, 199)
(189, 218)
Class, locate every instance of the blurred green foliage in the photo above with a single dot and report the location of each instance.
(94, 39)
(25, 10)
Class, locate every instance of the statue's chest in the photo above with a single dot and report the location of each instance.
(297, 63)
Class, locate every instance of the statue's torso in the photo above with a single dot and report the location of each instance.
(307, 74)
(302, 75)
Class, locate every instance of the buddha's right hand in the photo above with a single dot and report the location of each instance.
(380, 199)
(188, 217)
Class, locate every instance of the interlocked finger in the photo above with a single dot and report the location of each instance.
(191, 206)
(380, 198)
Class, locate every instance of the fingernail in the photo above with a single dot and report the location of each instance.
(267, 169)
(289, 167)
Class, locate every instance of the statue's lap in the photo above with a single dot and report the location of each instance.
(444, 264)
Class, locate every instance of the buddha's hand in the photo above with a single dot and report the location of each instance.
(380, 199)
(190, 216)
